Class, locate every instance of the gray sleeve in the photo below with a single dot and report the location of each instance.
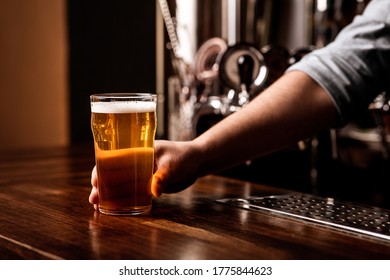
(355, 68)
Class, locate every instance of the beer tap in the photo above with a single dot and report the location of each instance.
(243, 72)
(245, 65)
(380, 111)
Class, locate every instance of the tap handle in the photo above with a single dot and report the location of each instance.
(245, 67)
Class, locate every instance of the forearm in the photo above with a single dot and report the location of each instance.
(293, 108)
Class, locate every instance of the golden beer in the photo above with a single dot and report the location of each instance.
(124, 129)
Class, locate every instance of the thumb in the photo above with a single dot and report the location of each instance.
(157, 184)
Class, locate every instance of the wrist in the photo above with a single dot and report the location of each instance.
(200, 157)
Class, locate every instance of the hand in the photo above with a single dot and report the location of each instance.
(176, 167)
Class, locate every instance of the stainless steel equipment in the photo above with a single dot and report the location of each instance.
(222, 56)
(373, 222)
(229, 51)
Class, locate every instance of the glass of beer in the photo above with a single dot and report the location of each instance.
(124, 127)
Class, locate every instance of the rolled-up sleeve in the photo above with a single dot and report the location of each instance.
(355, 68)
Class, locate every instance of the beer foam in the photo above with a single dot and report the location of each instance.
(123, 107)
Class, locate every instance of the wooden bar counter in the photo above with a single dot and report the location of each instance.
(45, 214)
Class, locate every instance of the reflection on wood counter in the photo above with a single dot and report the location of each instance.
(45, 214)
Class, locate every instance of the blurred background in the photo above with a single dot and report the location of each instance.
(55, 53)
(204, 59)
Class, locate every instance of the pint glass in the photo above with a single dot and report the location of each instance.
(123, 127)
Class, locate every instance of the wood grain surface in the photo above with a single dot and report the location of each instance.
(45, 214)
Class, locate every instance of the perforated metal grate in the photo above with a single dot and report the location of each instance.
(367, 220)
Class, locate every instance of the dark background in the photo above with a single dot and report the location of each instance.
(111, 49)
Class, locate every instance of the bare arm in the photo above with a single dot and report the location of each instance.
(293, 108)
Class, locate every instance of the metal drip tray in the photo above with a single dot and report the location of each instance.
(361, 219)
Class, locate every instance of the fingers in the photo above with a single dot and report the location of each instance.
(94, 177)
(94, 196)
